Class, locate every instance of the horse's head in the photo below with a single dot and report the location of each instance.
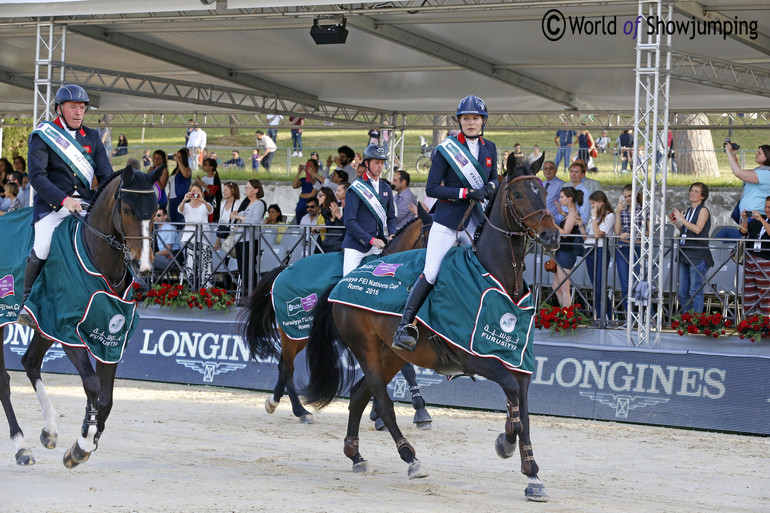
(136, 201)
(521, 199)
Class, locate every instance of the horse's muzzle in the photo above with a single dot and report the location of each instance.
(550, 240)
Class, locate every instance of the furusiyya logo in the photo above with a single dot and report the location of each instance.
(555, 26)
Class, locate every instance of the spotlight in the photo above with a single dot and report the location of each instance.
(329, 34)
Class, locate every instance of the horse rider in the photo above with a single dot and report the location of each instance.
(369, 211)
(65, 157)
(463, 170)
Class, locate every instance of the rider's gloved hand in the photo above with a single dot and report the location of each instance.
(490, 191)
(475, 194)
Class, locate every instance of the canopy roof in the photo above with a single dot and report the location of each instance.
(400, 57)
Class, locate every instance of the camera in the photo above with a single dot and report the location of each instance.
(733, 145)
(196, 195)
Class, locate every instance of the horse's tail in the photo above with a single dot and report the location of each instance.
(330, 362)
(257, 319)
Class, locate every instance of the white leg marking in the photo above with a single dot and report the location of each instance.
(20, 443)
(87, 443)
(144, 261)
(49, 413)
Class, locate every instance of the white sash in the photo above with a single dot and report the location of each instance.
(463, 161)
(68, 149)
(371, 199)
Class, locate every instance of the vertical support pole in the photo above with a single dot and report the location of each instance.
(50, 39)
(651, 112)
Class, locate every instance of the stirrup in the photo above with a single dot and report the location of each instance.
(26, 319)
(406, 337)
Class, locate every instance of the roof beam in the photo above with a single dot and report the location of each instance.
(462, 59)
(13, 78)
(699, 11)
(188, 61)
(728, 75)
(216, 96)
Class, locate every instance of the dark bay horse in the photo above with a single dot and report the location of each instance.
(518, 213)
(259, 328)
(118, 229)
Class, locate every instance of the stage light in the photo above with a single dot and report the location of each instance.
(329, 34)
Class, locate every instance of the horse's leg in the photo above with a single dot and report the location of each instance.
(421, 415)
(505, 444)
(32, 361)
(289, 350)
(83, 447)
(271, 403)
(23, 452)
(529, 467)
(379, 369)
(360, 393)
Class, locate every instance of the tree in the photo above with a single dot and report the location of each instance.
(695, 148)
(15, 137)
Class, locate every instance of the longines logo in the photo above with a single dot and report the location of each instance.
(399, 387)
(210, 354)
(625, 386)
(18, 337)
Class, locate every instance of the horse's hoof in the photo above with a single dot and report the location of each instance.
(48, 439)
(307, 419)
(416, 471)
(379, 425)
(25, 458)
(536, 493)
(75, 456)
(421, 416)
(504, 449)
(270, 405)
(424, 426)
(362, 467)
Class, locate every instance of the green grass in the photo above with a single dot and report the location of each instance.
(326, 143)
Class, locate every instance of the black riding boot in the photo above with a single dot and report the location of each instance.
(31, 272)
(406, 334)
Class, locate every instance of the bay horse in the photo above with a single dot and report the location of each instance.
(518, 214)
(118, 231)
(259, 329)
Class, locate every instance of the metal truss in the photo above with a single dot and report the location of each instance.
(50, 40)
(217, 96)
(653, 63)
(723, 74)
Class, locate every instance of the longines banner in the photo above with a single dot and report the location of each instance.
(729, 393)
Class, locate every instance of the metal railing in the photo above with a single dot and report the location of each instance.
(722, 285)
(200, 261)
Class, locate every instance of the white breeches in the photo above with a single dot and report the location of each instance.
(440, 240)
(44, 230)
(352, 258)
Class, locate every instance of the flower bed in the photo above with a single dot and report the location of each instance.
(180, 296)
(560, 319)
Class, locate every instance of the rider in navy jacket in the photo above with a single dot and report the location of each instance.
(454, 201)
(58, 190)
(363, 234)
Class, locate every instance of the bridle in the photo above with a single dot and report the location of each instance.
(510, 207)
(116, 241)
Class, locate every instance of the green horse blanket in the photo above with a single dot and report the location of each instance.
(71, 301)
(468, 307)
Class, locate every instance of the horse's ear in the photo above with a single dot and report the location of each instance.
(424, 216)
(128, 174)
(535, 166)
(155, 175)
(511, 164)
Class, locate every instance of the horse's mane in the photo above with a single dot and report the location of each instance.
(101, 188)
(398, 232)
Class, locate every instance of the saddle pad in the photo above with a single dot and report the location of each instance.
(467, 307)
(16, 229)
(74, 304)
(296, 291)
